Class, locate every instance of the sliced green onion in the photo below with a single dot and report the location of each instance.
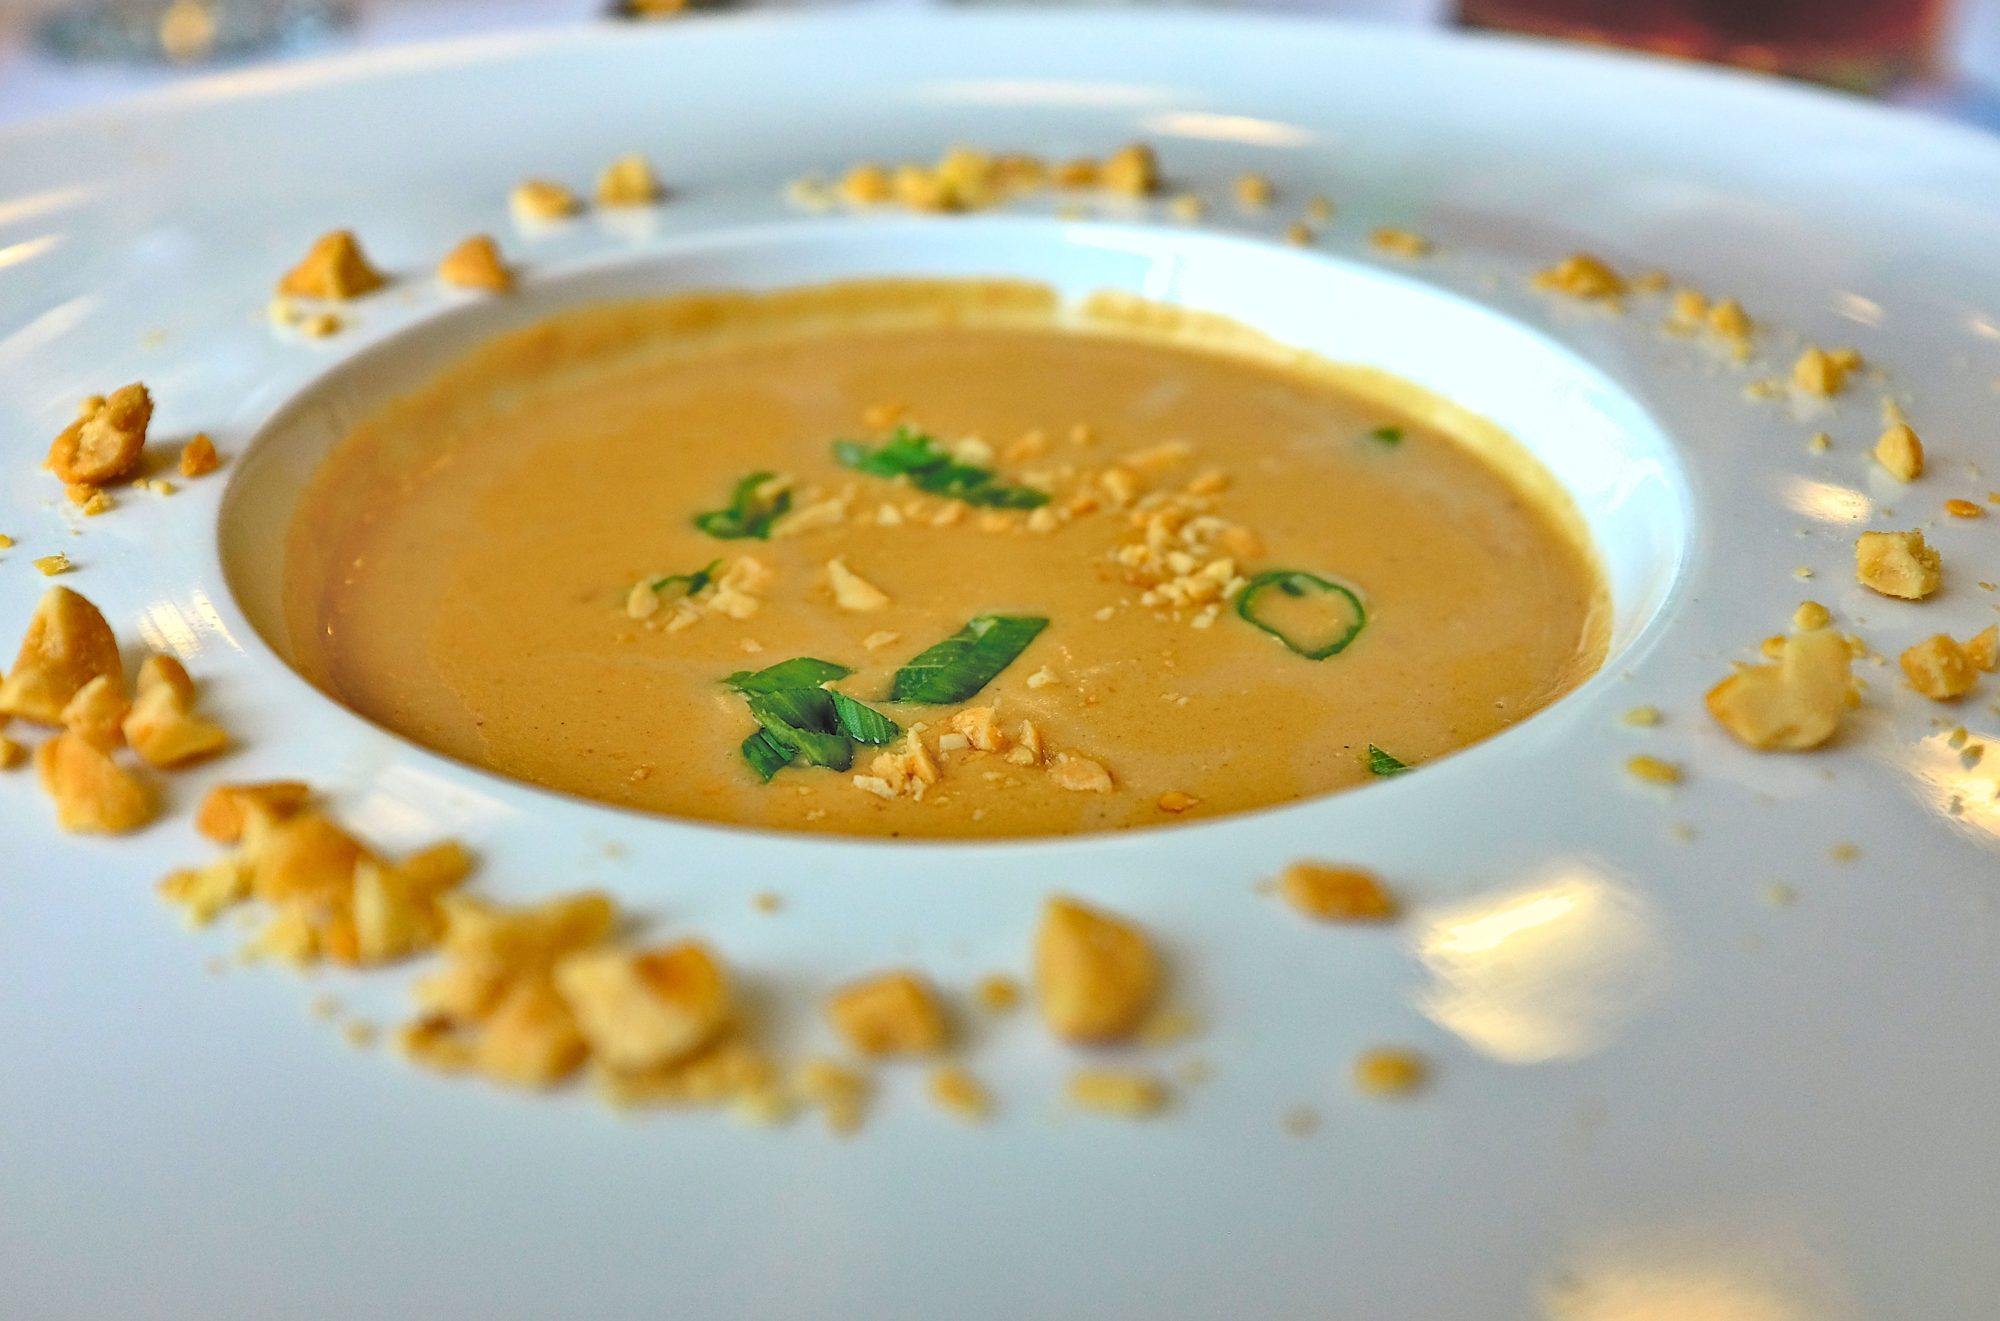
(1387, 435)
(916, 456)
(1262, 600)
(967, 661)
(749, 514)
(1381, 763)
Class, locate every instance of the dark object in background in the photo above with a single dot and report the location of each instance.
(1861, 45)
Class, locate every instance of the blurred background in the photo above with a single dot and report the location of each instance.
(1942, 56)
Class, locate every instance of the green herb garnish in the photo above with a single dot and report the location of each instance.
(1381, 763)
(912, 454)
(1291, 605)
(1387, 435)
(800, 720)
(688, 583)
(749, 514)
(967, 661)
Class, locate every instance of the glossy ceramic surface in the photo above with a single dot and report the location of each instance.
(1658, 1092)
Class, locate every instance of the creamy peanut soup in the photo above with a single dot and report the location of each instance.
(934, 559)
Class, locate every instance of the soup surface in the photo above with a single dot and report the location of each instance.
(1252, 565)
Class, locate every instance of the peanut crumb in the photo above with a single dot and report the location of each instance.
(1096, 975)
(104, 442)
(1844, 852)
(840, 1092)
(767, 901)
(1819, 442)
(1811, 615)
(1963, 509)
(542, 200)
(1389, 1071)
(958, 1093)
(1642, 716)
(1120, 1093)
(1299, 234)
(1319, 208)
(628, 181)
(1900, 453)
(1336, 894)
(12, 754)
(1254, 192)
(1042, 678)
(851, 591)
(997, 993)
(1186, 206)
(1652, 770)
(1793, 705)
(1582, 276)
(359, 1033)
(476, 264)
(1940, 668)
(895, 1013)
(334, 268)
(51, 565)
(1080, 774)
(877, 640)
(1824, 374)
(1898, 564)
(1400, 242)
(1173, 800)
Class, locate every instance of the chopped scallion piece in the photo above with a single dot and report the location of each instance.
(1314, 617)
(914, 455)
(799, 719)
(750, 513)
(967, 661)
(687, 584)
(1387, 435)
(1381, 763)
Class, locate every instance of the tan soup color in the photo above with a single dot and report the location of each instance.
(459, 569)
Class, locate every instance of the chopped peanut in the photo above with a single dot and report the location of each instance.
(1121, 1093)
(227, 807)
(1963, 509)
(1898, 564)
(1133, 170)
(1080, 774)
(1388, 1071)
(997, 993)
(104, 442)
(1096, 975)
(1983, 648)
(1728, 319)
(51, 565)
(1940, 669)
(1400, 243)
(198, 457)
(958, 1093)
(641, 1011)
(1335, 894)
(93, 794)
(66, 646)
(866, 184)
(476, 264)
(333, 268)
(981, 728)
(1173, 800)
(97, 710)
(1581, 276)
(839, 1091)
(851, 591)
(1642, 717)
(542, 200)
(628, 181)
(161, 726)
(1821, 373)
(1810, 615)
(1254, 192)
(895, 1013)
(530, 1039)
(1027, 749)
(1793, 705)
(1652, 770)
(12, 754)
(1900, 453)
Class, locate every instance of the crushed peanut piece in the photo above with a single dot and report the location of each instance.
(1299, 234)
(1642, 716)
(851, 591)
(979, 726)
(894, 1013)
(536, 200)
(51, 565)
(1898, 564)
(1963, 509)
(1335, 894)
(958, 1093)
(1793, 705)
(1389, 1071)
(1940, 669)
(866, 184)
(93, 794)
(1581, 276)
(1096, 975)
(1728, 319)
(198, 456)
(1186, 206)
(1080, 774)
(1811, 615)
(1821, 373)
(1652, 770)
(1900, 453)
(12, 754)
(161, 726)
(104, 442)
(67, 644)
(1173, 800)
(225, 811)
(1132, 170)
(1983, 648)
(628, 181)
(1319, 208)
(645, 1010)
(476, 264)
(333, 268)
(1125, 1094)
(879, 639)
(997, 993)
(1400, 243)
(841, 1092)
(1819, 442)
(96, 712)
(1254, 192)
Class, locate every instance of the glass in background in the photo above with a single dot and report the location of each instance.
(1861, 45)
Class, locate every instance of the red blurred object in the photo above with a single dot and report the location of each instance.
(1863, 45)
